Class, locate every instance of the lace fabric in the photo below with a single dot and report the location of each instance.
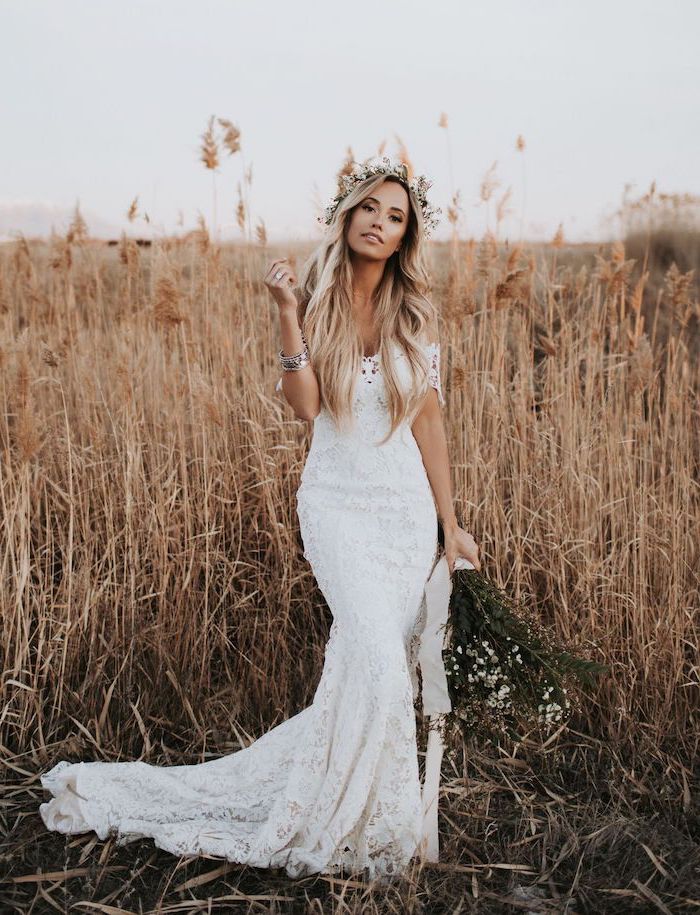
(432, 351)
(335, 786)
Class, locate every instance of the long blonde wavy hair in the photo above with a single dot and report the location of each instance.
(405, 315)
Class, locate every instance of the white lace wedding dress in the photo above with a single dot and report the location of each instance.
(336, 785)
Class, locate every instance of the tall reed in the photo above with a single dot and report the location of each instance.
(155, 601)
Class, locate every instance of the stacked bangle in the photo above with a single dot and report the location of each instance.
(297, 361)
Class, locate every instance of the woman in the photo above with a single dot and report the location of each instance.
(336, 785)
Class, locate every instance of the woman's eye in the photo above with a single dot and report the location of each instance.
(367, 206)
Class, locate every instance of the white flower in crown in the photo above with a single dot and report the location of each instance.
(383, 165)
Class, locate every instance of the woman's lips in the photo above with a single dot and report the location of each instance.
(372, 238)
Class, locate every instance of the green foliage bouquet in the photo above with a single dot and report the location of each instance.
(505, 669)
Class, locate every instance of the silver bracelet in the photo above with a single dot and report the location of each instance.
(296, 361)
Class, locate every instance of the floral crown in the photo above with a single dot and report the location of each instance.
(384, 166)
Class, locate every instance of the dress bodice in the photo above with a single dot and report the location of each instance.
(370, 387)
(351, 457)
(371, 372)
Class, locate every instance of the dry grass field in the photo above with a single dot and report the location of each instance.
(156, 604)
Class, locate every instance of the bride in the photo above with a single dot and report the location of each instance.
(335, 786)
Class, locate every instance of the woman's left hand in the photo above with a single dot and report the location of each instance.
(459, 542)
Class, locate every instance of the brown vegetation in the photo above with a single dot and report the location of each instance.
(156, 604)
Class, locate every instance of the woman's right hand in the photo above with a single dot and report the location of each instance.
(281, 286)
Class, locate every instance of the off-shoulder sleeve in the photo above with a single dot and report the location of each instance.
(433, 353)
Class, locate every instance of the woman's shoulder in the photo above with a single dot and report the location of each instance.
(430, 348)
(430, 342)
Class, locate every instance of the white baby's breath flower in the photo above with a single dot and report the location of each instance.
(418, 186)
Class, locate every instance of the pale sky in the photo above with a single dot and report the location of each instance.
(106, 100)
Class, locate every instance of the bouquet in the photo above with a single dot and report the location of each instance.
(505, 669)
(488, 668)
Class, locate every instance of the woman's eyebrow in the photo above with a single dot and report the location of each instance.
(398, 209)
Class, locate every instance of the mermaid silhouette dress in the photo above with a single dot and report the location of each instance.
(335, 786)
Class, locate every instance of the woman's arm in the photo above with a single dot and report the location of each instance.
(429, 432)
(299, 387)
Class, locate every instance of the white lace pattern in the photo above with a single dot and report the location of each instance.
(336, 785)
(432, 351)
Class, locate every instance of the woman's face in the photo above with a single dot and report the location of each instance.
(383, 214)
